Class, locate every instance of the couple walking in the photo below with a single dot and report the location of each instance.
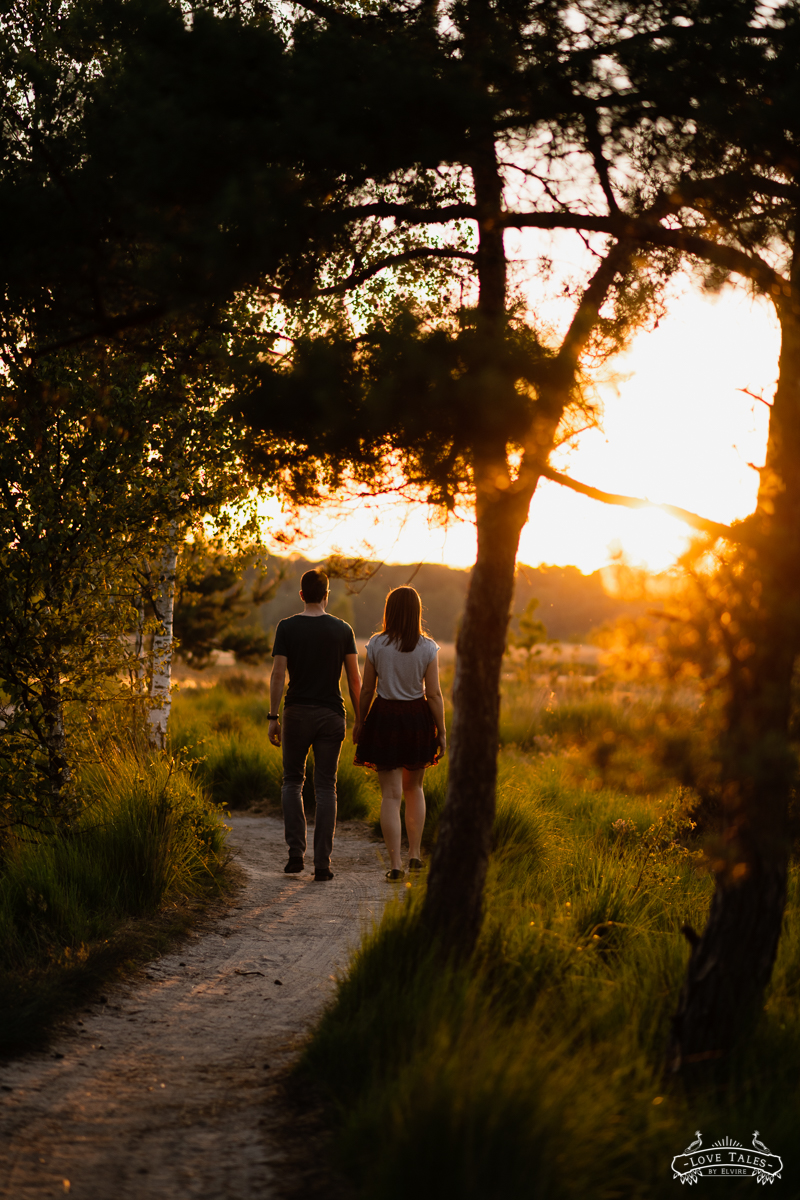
(398, 732)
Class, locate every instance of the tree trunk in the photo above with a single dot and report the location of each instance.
(453, 904)
(731, 964)
(160, 687)
(454, 899)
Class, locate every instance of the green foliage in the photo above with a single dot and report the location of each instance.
(109, 454)
(144, 146)
(101, 458)
(239, 768)
(75, 508)
(224, 739)
(537, 1068)
(145, 833)
(405, 388)
(213, 600)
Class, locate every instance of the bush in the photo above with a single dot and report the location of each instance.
(238, 771)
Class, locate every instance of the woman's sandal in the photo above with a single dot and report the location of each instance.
(394, 875)
(415, 864)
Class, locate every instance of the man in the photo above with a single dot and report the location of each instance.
(313, 645)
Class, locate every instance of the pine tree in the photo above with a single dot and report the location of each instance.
(440, 371)
(214, 599)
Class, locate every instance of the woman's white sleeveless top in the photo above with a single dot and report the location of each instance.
(400, 673)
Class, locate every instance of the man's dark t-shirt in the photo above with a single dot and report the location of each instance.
(315, 649)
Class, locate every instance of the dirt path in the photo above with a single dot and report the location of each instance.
(160, 1093)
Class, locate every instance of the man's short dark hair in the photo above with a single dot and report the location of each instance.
(314, 586)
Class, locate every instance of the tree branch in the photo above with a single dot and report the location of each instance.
(755, 396)
(328, 13)
(356, 278)
(584, 320)
(601, 49)
(644, 231)
(681, 514)
(595, 144)
(106, 328)
(748, 181)
(617, 224)
(410, 215)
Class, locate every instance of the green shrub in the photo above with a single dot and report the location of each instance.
(238, 771)
(640, 741)
(541, 712)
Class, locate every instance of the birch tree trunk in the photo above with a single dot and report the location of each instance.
(161, 684)
(731, 963)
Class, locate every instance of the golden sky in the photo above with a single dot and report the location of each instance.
(676, 428)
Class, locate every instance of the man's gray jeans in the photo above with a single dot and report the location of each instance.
(307, 726)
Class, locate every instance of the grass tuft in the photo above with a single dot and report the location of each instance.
(147, 836)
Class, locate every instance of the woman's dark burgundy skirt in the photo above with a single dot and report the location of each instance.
(398, 733)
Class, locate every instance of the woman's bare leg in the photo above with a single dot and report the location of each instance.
(415, 810)
(391, 795)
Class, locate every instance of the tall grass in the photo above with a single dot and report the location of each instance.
(639, 741)
(224, 736)
(538, 1069)
(147, 836)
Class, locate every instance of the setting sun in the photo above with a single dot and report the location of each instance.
(677, 428)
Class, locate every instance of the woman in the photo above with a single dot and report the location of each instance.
(403, 732)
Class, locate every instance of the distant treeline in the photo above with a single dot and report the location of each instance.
(570, 604)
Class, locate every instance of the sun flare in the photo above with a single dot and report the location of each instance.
(681, 425)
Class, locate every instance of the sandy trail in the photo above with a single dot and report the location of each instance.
(160, 1093)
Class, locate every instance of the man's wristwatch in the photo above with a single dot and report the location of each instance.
(273, 716)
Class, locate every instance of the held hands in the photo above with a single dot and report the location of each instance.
(442, 740)
(356, 731)
(274, 732)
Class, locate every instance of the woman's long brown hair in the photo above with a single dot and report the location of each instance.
(402, 618)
